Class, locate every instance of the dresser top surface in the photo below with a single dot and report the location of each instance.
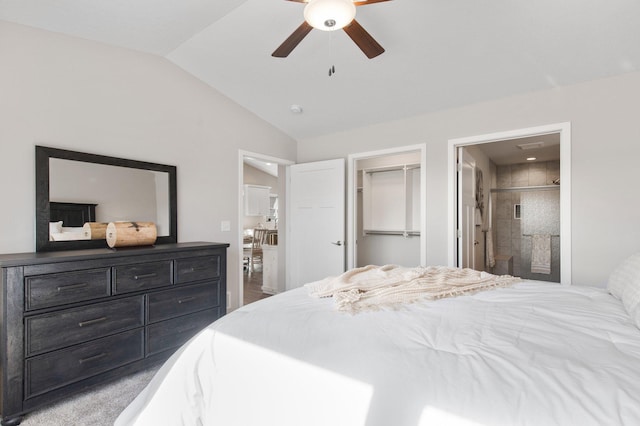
(19, 259)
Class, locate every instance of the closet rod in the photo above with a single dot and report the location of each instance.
(392, 168)
(405, 233)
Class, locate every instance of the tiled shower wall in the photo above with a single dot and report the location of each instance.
(508, 230)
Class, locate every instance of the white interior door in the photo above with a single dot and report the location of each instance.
(466, 209)
(316, 221)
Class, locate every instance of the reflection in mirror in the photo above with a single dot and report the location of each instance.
(118, 193)
(77, 194)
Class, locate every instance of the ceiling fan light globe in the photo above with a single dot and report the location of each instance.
(329, 15)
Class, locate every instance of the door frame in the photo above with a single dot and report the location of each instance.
(352, 170)
(564, 130)
(281, 204)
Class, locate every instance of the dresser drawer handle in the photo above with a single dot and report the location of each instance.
(143, 276)
(90, 322)
(186, 299)
(92, 358)
(194, 269)
(71, 287)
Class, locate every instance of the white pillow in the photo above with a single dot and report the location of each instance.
(631, 297)
(55, 227)
(626, 274)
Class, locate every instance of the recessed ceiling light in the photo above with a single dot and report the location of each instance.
(531, 158)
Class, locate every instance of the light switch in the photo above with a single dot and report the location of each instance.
(225, 226)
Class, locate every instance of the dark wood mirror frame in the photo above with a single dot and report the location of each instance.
(43, 212)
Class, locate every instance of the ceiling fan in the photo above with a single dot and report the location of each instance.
(332, 15)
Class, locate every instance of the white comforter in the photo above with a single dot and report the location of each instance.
(533, 354)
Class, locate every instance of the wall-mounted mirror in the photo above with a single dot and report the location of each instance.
(73, 188)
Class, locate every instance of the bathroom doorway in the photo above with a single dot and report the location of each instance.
(521, 223)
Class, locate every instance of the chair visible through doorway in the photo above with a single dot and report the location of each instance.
(254, 252)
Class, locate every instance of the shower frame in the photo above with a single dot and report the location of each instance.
(519, 189)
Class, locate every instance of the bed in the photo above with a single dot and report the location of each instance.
(529, 353)
(67, 220)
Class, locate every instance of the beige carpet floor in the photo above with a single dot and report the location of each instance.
(99, 407)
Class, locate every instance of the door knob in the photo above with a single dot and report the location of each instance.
(337, 243)
(475, 243)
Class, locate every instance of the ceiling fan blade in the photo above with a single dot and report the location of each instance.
(363, 39)
(359, 3)
(294, 39)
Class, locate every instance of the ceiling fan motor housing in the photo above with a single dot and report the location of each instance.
(329, 15)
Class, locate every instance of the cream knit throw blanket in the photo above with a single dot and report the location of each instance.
(376, 287)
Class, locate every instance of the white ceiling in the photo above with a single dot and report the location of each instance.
(505, 152)
(264, 166)
(439, 54)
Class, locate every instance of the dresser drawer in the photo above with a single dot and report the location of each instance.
(43, 291)
(184, 300)
(173, 333)
(70, 326)
(141, 276)
(56, 369)
(197, 268)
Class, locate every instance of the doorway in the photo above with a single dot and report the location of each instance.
(262, 220)
(521, 210)
(386, 202)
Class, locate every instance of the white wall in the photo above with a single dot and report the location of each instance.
(604, 157)
(70, 93)
(161, 181)
(75, 94)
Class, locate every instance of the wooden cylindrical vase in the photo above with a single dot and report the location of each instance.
(94, 230)
(126, 234)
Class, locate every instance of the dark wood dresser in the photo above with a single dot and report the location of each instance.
(74, 319)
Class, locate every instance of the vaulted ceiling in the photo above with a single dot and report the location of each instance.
(439, 54)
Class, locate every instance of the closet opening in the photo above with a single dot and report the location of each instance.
(386, 206)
